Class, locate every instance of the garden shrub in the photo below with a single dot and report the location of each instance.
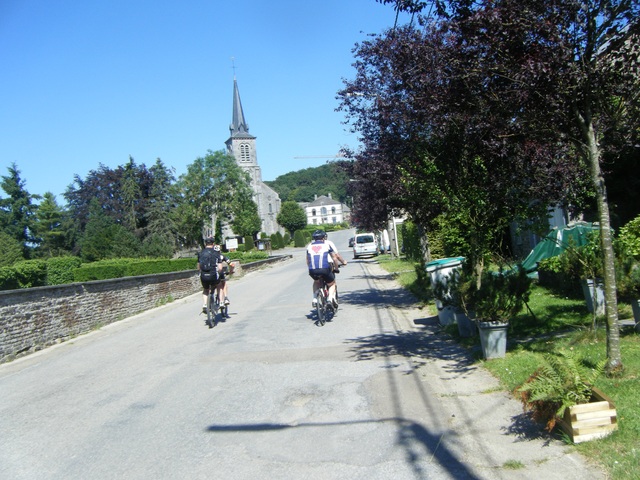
(248, 243)
(31, 273)
(275, 245)
(629, 239)
(299, 239)
(60, 269)
(8, 278)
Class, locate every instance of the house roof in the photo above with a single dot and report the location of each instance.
(323, 201)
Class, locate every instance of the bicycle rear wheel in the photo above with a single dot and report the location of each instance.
(321, 307)
(211, 314)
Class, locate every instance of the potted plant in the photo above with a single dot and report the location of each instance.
(495, 298)
(628, 285)
(561, 392)
(586, 262)
(628, 267)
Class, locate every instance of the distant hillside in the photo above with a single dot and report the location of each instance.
(303, 185)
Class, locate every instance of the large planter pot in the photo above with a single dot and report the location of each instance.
(493, 338)
(587, 421)
(593, 294)
(446, 315)
(466, 326)
(635, 306)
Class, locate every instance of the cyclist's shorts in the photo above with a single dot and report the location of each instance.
(325, 273)
(209, 281)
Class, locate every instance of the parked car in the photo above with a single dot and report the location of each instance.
(365, 244)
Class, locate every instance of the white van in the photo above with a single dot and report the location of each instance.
(365, 244)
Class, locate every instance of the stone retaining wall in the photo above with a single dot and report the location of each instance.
(35, 318)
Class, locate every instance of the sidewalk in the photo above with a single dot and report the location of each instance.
(486, 427)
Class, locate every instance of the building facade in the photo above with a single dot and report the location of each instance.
(324, 209)
(242, 146)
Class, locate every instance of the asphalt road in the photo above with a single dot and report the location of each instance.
(265, 394)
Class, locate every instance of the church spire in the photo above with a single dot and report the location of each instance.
(239, 126)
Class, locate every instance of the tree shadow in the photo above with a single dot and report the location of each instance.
(416, 441)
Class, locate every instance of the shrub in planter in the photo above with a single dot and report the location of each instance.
(561, 382)
(500, 295)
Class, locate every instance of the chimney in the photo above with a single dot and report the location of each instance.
(315, 197)
(329, 195)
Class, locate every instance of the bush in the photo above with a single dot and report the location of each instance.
(299, 239)
(563, 272)
(248, 243)
(60, 269)
(629, 239)
(8, 278)
(411, 242)
(275, 245)
(123, 267)
(31, 273)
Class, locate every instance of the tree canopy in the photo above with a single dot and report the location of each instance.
(303, 185)
(493, 111)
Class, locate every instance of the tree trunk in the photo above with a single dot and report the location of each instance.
(424, 244)
(614, 357)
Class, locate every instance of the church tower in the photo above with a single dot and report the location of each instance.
(242, 146)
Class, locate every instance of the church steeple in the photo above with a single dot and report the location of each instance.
(239, 126)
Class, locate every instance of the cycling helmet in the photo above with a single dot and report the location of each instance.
(319, 235)
(216, 248)
(209, 241)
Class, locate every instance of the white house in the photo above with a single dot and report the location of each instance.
(324, 210)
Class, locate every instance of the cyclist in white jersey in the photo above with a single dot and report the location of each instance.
(322, 257)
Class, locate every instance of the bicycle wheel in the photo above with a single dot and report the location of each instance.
(321, 307)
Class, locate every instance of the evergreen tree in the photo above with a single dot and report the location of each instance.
(48, 227)
(10, 250)
(17, 212)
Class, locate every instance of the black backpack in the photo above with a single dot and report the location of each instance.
(208, 261)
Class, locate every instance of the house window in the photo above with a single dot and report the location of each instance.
(334, 220)
(270, 209)
(313, 212)
(333, 211)
(323, 211)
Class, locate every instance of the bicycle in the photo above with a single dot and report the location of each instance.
(325, 309)
(213, 305)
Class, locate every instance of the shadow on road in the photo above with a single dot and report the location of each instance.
(414, 438)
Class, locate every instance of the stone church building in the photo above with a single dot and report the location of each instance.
(242, 145)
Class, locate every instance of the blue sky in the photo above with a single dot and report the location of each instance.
(92, 82)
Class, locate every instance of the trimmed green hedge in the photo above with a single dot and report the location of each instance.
(63, 270)
(60, 269)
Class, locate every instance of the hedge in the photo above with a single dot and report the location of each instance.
(62, 270)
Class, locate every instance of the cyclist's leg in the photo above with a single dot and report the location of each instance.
(225, 295)
(315, 287)
(330, 280)
(205, 295)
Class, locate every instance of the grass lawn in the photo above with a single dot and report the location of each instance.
(559, 323)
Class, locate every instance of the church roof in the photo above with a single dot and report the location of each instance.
(239, 127)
